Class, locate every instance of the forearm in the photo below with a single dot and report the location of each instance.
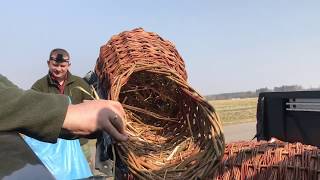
(32, 113)
(90, 116)
(78, 122)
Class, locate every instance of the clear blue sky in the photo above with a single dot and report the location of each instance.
(227, 46)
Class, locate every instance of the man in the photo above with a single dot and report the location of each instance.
(43, 116)
(59, 80)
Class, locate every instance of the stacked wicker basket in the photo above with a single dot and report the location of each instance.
(272, 161)
(173, 132)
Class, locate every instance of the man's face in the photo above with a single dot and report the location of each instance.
(58, 70)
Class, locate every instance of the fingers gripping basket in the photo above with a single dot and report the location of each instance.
(173, 132)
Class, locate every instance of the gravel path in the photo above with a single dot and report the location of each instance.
(237, 132)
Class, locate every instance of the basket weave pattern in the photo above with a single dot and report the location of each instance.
(173, 132)
(272, 161)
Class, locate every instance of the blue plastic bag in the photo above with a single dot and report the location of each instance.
(64, 159)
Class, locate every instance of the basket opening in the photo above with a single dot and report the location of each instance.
(163, 117)
(153, 99)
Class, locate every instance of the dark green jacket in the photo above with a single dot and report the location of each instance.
(38, 115)
(47, 85)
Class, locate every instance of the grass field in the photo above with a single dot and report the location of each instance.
(236, 110)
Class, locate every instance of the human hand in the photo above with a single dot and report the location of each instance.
(90, 116)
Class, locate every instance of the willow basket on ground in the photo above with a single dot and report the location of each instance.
(173, 132)
(271, 161)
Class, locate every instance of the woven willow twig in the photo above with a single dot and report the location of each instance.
(272, 161)
(173, 132)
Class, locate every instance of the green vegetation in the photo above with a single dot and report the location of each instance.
(236, 110)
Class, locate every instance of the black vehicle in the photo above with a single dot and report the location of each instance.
(289, 116)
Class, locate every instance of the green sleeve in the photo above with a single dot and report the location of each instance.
(38, 115)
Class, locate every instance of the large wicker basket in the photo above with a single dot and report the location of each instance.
(273, 161)
(173, 132)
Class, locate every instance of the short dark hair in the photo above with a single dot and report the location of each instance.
(59, 55)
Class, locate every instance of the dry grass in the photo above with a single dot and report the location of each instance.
(234, 111)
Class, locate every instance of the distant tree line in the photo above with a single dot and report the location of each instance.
(250, 94)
